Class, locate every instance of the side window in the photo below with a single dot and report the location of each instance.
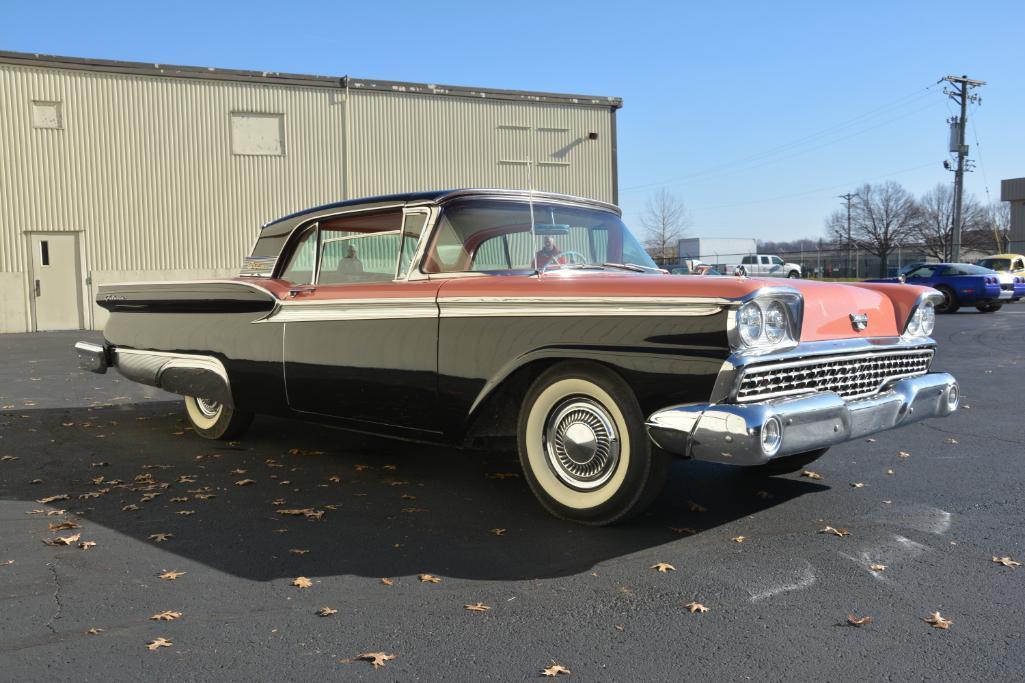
(924, 271)
(765, 260)
(777, 261)
(359, 248)
(303, 263)
(493, 254)
(747, 260)
(1018, 265)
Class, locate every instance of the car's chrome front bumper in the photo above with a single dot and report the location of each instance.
(732, 433)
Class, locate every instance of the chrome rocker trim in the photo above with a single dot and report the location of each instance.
(178, 373)
(732, 434)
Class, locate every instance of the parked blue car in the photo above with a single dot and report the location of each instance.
(965, 284)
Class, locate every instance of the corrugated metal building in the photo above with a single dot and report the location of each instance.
(114, 171)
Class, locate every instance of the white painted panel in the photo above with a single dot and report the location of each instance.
(258, 134)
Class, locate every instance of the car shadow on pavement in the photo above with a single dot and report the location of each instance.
(358, 505)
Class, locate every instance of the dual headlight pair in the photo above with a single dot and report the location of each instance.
(765, 322)
(922, 321)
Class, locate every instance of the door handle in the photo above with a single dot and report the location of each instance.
(39, 290)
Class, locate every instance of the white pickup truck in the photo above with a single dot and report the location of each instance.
(761, 265)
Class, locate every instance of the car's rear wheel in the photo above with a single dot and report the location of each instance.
(989, 308)
(787, 463)
(950, 304)
(583, 446)
(214, 420)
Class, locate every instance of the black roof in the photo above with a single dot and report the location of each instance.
(438, 196)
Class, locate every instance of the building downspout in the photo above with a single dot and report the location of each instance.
(615, 160)
(346, 153)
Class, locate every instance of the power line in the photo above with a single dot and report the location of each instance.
(825, 132)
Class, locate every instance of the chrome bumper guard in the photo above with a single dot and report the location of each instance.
(755, 433)
(92, 357)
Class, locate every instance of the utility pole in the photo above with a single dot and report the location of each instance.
(848, 197)
(962, 95)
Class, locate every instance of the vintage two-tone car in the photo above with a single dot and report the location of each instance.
(460, 315)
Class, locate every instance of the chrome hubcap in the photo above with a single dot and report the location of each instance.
(582, 443)
(207, 407)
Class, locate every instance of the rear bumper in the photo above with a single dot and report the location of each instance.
(732, 433)
(92, 357)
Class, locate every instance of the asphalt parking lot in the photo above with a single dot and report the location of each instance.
(935, 502)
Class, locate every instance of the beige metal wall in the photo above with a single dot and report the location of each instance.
(404, 141)
(143, 166)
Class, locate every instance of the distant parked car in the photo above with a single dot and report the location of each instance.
(699, 269)
(966, 284)
(763, 265)
(1004, 263)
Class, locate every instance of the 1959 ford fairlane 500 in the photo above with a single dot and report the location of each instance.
(448, 316)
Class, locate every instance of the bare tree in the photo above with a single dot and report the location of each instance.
(665, 220)
(882, 217)
(935, 228)
(998, 225)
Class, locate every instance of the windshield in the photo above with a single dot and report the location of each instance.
(1003, 264)
(492, 235)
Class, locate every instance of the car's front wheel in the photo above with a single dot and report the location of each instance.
(583, 446)
(793, 274)
(989, 308)
(214, 420)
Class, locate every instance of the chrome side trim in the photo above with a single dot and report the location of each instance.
(731, 434)
(161, 283)
(472, 307)
(352, 309)
(179, 373)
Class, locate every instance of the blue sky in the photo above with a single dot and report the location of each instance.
(756, 114)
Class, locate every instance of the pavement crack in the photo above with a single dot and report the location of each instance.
(977, 436)
(59, 607)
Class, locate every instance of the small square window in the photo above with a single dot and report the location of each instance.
(257, 134)
(46, 114)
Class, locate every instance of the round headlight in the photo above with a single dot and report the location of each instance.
(915, 324)
(927, 318)
(775, 322)
(749, 322)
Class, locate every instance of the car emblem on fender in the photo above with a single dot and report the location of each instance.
(859, 321)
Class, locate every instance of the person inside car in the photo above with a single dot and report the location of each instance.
(548, 254)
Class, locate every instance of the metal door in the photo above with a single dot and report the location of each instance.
(54, 283)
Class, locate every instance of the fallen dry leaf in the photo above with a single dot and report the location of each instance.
(85, 545)
(683, 530)
(158, 643)
(498, 532)
(6, 563)
(8, 458)
(166, 615)
(376, 658)
(63, 540)
(1006, 561)
(811, 475)
(185, 513)
(299, 551)
(408, 496)
(951, 440)
(890, 472)
(61, 526)
(95, 631)
(555, 670)
(245, 482)
(739, 539)
(694, 507)
(663, 567)
(870, 440)
(836, 532)
(238, 471)
(696, 607)
(161, 537)
(53, 499)
(429, 578)
(477, 607)
(857, 485)
(180, 499)
(877, 567)
(859, 621)
(326, 612)
(171, 575)
(387, 582)
(308, 513)
(130, 508)
(302, 582)
(936, 620)
(903, 454)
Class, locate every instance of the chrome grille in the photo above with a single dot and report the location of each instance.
(849, 375)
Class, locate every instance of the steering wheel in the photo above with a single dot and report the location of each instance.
(572, 257)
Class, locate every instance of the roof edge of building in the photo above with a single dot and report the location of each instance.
(30, 59)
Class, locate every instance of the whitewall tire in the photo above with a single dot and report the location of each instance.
(583, 446)
(214, 420)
